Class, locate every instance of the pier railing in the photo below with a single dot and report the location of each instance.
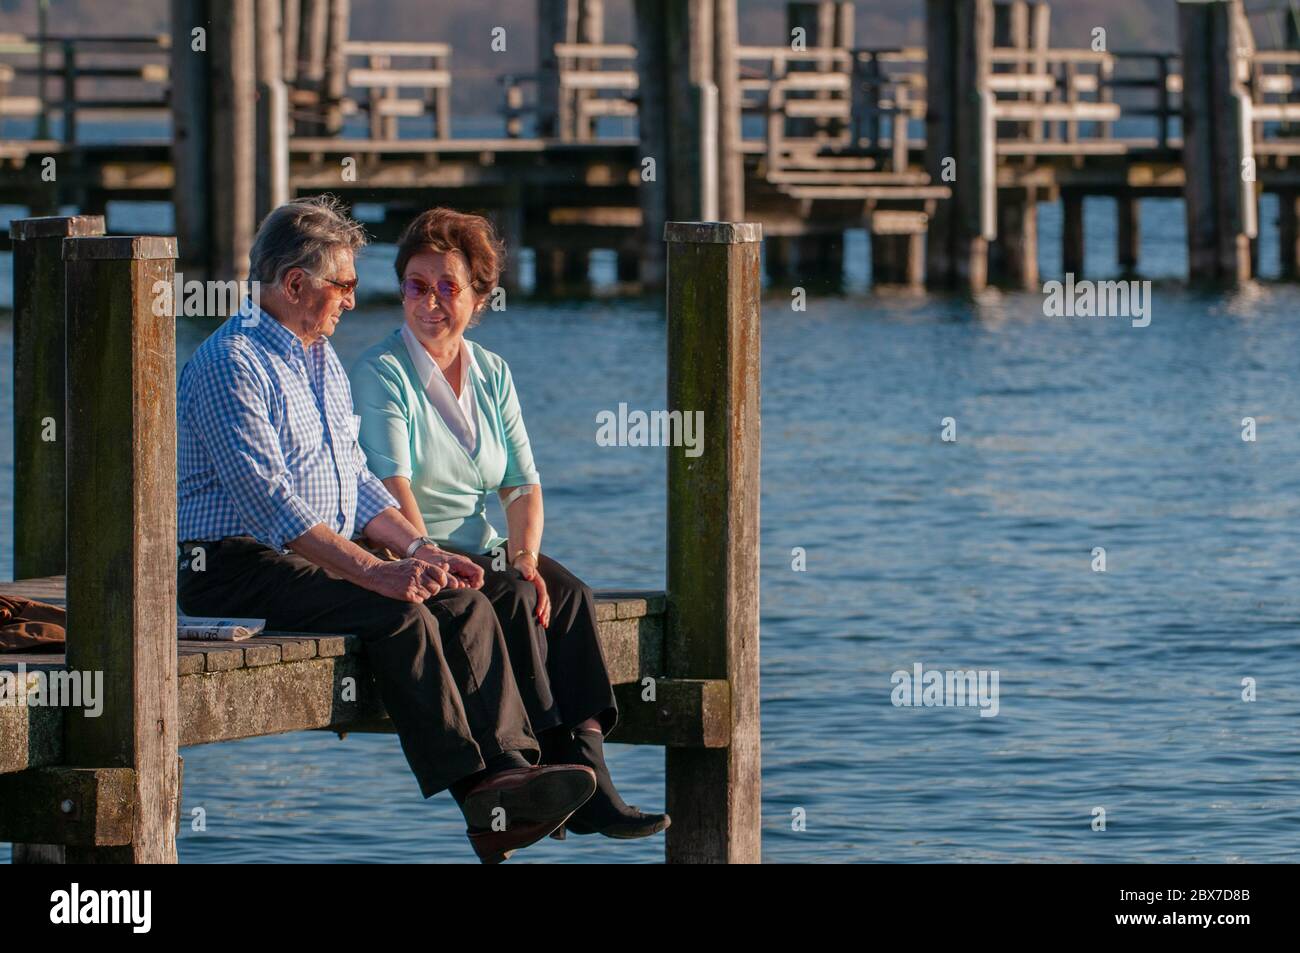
(54, 74)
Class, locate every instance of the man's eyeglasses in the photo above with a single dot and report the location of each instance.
(415, 289)
(347, 286)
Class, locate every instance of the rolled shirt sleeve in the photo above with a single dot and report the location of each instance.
(229, 414)
(520, 468)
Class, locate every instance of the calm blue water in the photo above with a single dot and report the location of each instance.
(1119, 690)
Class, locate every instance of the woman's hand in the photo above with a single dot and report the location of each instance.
(526, 563)
(463, 572)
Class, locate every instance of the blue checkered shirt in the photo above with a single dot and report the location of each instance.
(267, 441)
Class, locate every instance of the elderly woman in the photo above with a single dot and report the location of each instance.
(442, 428)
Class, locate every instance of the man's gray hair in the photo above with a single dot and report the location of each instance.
(304, 233)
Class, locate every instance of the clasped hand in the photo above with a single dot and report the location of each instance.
(424, 575)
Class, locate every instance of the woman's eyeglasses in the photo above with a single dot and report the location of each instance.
(415, 289)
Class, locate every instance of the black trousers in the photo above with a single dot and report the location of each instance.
(442, 667)
(560, 670)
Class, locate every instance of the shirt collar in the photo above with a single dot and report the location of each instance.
(270, 332)
(427, 368)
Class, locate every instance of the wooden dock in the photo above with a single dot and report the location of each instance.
(605, 142)
(108, 788)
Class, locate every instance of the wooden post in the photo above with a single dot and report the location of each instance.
(272, 154)
(556, 23)
(959, 37)
(897, 247)
(1216, 141)
(1288, 207)
(1127, 231)
(233, 136)
(689, 39)
(191, 129)
(675, 54)
(1072, 241)
(69, 92)
(40, 428)
(336, 66)
(1040, 19)
(726, 75)
(1016, 250)
(122, 518)
(713, 531)
(776, 258)
(292, 21)
(313, 34)
(40, 418)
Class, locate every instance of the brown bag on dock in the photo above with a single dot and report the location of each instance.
(28, 626)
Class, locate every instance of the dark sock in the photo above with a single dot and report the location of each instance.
(557, 745)
(605, 805)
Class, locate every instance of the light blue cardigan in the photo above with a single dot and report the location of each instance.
(403, 435)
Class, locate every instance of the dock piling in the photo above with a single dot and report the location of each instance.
(1220, 203)
(122, 545)
(40, 424)
(712, 632)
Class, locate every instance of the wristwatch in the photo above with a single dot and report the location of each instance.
(524, 552)
(418, 542)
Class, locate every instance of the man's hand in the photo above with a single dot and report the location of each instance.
(410, 580)
(462, 572)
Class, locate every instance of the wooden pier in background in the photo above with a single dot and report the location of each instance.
(941, 152)
(108, 789)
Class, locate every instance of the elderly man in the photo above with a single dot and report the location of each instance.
(272, 485)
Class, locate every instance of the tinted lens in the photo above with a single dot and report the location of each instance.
(447, 288)
(415, 289)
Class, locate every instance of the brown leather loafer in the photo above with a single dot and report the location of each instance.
(493, 847)
(529, 795)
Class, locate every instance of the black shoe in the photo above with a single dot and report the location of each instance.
(605, 813)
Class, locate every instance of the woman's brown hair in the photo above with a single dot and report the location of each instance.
(445, 230)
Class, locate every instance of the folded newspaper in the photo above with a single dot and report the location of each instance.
(217, 630)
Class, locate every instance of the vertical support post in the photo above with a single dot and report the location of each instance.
(69, 92)
(40, 426)
(336, 66)
(1017, 245)
(1072, 233)
(940, 136)
(1216, 140)
(713, 368)
(40, 417)
(726, 75)
(313, 34)
(556, 23)
(1040, 19)
(674, 60)
(959, 127)
(234, 130)
(122, 507)
(1288, 207)
(1127, 231)
(191, 131)
(272, 113)
(292, 20)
